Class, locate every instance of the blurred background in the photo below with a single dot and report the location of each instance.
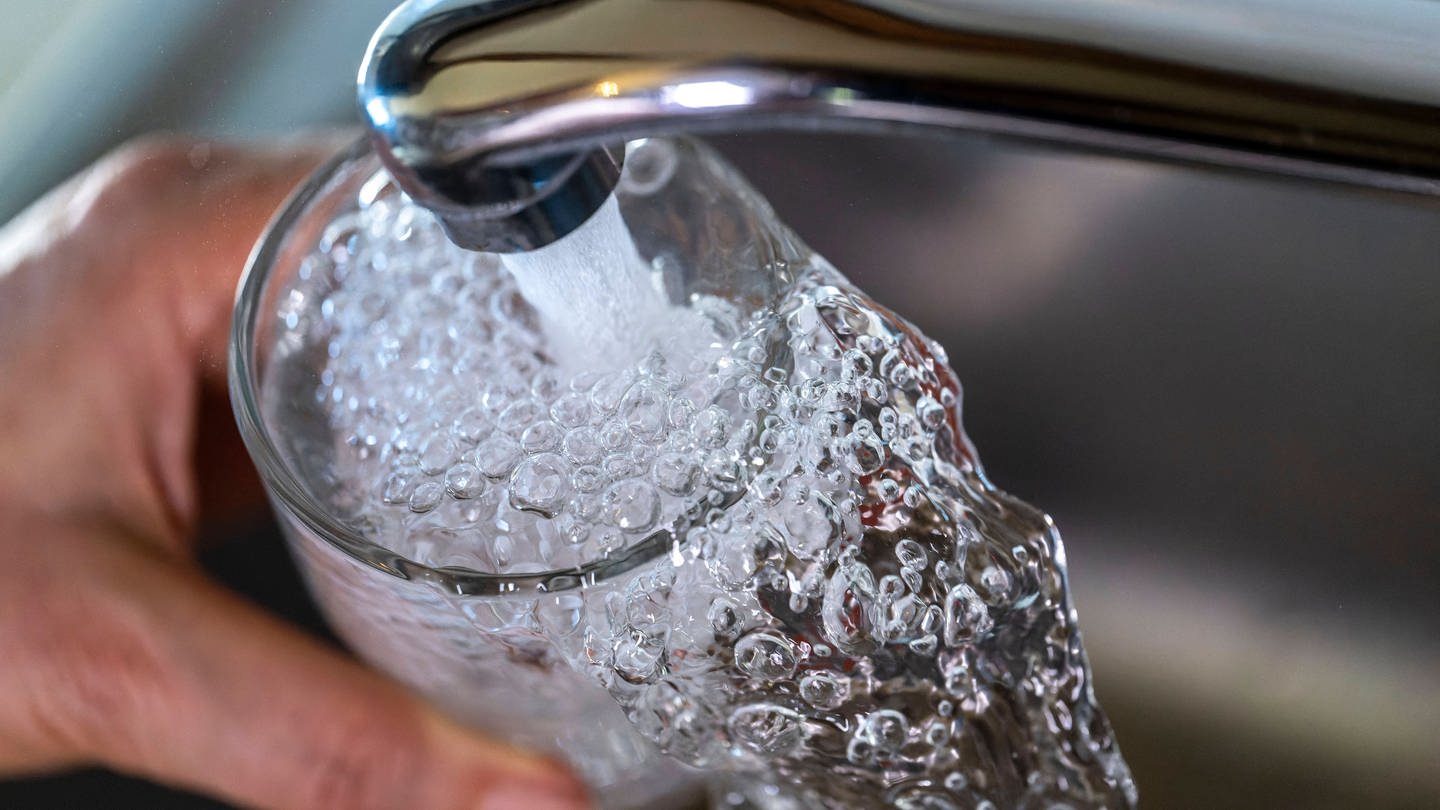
(1226, 389)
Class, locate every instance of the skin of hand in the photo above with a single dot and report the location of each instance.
(115, 443)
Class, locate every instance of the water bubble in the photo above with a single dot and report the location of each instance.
(582, 446)
(809, 530)
(996, 581)
(712, 427)
(588, 478)
(571, 410)
(925, 645)
(643, 410)
(891, 588)
(633, 506)
(608, 391)
(966, 617)
(426, 497)
(464, 481)
(911, 554)
(886, 730)
(519, 415)
(731, 559)
(725, 619)
(541, 437)
(540, 484)
(860, 751)
(766, 728)
(397, 488)
(437, 455)
(866, 455)
(855, 363)
(675, 473)
(472, 425)
(824, 689)
(912, 579)
(766, 656)
(680, 413)
(638, 657)
(768, 487)
(614, 436)
(889, 490)
(497, 455)
(931, 413)
(848, 609)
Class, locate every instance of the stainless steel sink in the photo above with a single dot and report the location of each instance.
(1227, 391)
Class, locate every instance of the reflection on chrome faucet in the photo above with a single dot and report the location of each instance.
(490, 113)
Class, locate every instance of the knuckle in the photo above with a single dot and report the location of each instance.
(139, 167)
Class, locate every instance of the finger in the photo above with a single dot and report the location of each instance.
(225, 205)
(182, 682)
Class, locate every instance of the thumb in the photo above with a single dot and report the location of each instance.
(205, 691)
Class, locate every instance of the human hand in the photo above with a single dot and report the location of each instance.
(115, 300)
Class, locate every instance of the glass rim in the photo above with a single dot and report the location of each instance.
(283, 484)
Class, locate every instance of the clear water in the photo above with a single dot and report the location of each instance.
(853, 609)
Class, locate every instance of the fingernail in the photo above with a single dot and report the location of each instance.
(532, 797)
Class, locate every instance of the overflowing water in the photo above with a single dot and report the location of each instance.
(846, 604)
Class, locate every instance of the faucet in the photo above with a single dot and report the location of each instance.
(506, 117)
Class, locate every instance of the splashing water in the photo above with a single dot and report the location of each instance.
(852, 608)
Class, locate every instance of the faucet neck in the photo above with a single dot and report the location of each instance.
(493, 114)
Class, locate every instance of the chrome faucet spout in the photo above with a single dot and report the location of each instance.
(504, 116)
